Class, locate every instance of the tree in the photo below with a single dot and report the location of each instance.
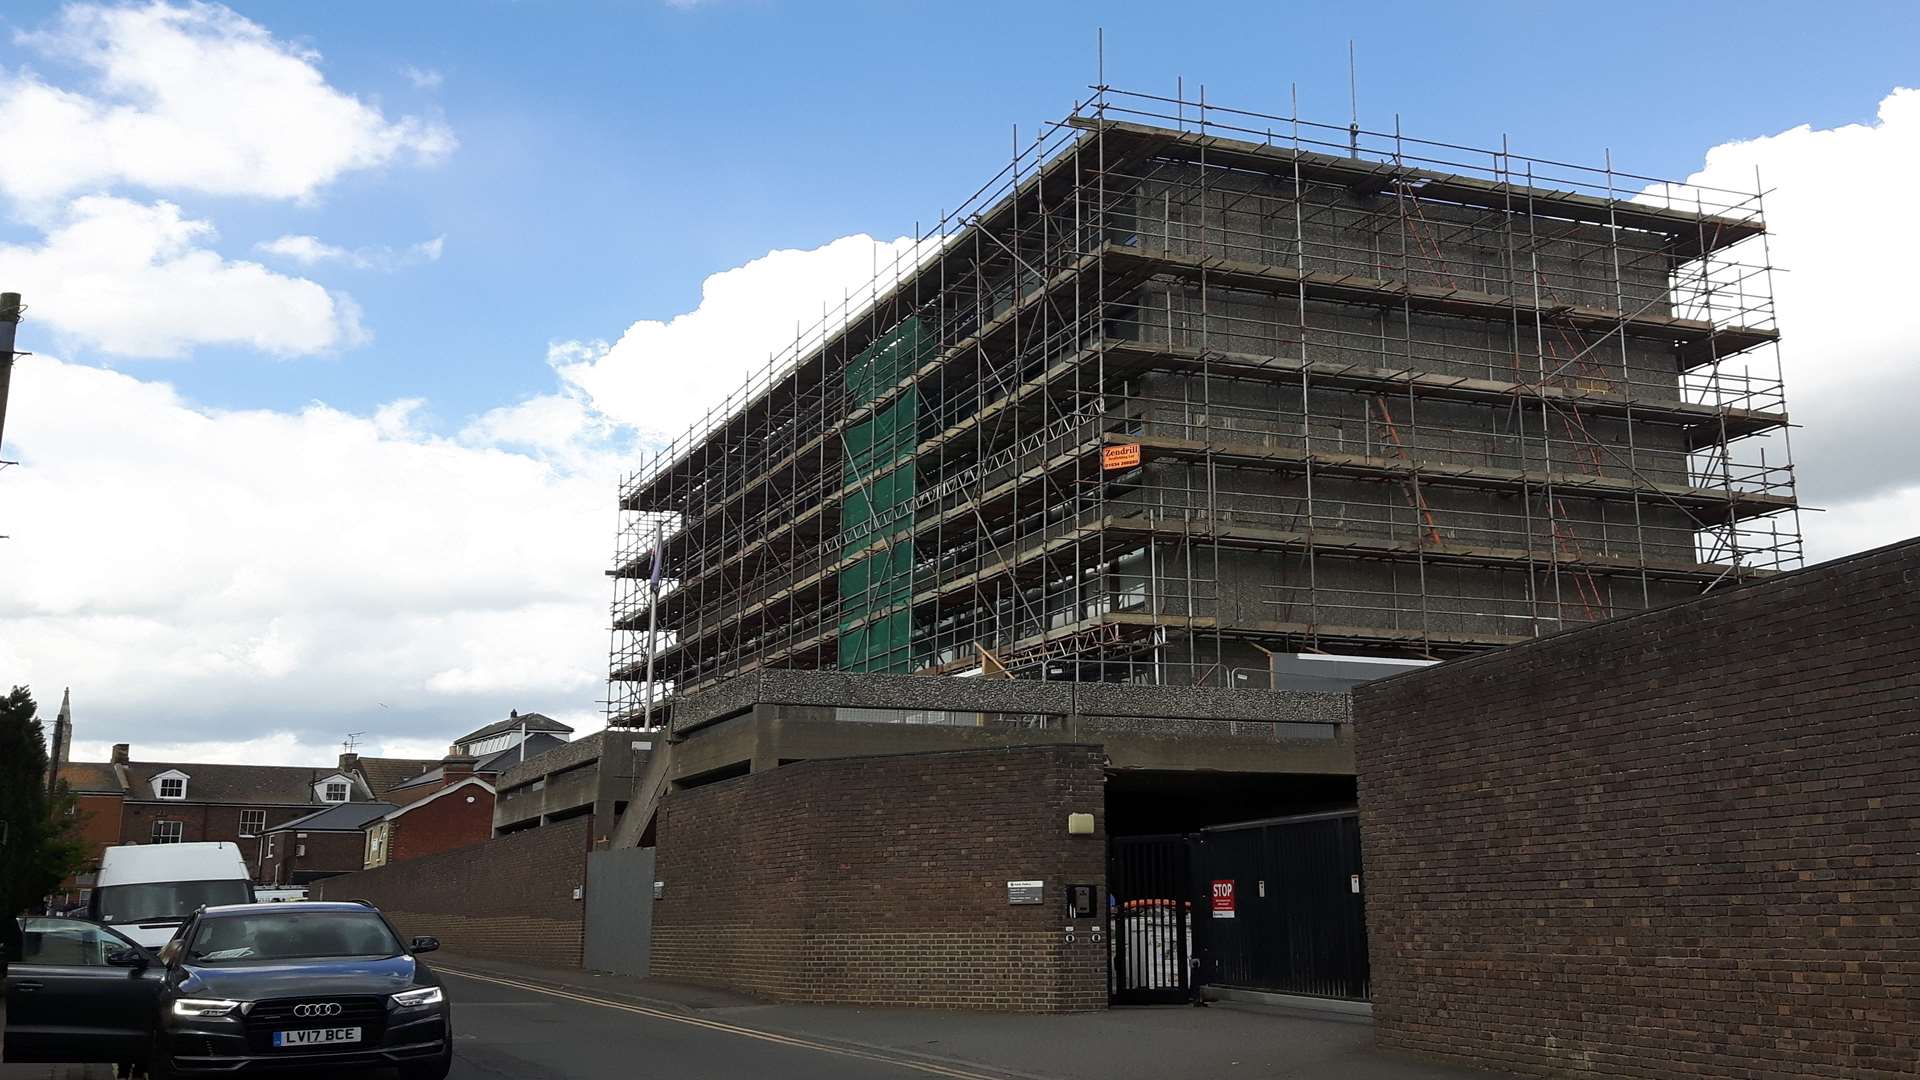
(39, 847)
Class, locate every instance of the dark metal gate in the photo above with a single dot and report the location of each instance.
(1150, 919)
(1298, 922)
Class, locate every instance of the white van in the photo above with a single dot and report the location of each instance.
(146, 891)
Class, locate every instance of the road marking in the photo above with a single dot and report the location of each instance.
(730, 1029)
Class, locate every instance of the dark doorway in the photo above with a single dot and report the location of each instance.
(1143, 802)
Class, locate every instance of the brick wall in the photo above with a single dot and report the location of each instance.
(449, 821)
(203, 822)
(883, 880)
(507, 899)
(326, 853)
(1678, 844)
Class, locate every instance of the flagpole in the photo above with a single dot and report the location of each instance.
(653, 614)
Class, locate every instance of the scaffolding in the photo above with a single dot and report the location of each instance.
(1186, 385)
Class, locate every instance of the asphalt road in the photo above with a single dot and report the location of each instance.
(504, 1031)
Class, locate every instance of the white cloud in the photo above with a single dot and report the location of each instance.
(213, 577)
(660, 376)
(190, 98)
(311, 251)
(1849, 324)
(135, 279)
(423, 78)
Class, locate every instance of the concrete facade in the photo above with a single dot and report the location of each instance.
(590, 776)
(1677, 844)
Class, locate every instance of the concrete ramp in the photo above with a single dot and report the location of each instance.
(648, 788)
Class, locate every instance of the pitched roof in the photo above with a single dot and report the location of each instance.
(384, 774)
(493, 764)
(533, 721)
(471, 781)
(90, 776)
(266, 785)
(342, 817)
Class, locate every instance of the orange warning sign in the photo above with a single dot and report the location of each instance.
(1125, 456)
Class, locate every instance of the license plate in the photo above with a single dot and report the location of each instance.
(317, 1037)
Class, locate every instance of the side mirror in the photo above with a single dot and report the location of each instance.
(424, 944)
(128, 958)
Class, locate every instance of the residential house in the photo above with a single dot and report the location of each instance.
(124, 801)
(455, 813)
(508, 734)
(316, 845)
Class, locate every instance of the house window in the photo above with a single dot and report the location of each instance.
(252, 821)
(335, 792)
(173, 788)
(269, 847)
(167, 832)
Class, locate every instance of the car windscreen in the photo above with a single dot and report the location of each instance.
(153, 901)
(290, 935)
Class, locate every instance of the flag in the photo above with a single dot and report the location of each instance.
(653, 579)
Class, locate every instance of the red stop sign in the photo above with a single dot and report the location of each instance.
(1223, 899)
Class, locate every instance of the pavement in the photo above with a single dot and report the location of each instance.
(528, 1022)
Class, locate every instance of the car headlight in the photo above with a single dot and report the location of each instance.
(415, 998)
(204, 1007)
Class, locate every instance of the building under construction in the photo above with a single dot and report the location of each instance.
(1185, 387)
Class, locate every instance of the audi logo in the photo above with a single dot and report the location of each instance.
(317, 1008)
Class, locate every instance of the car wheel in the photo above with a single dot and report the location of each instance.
(436, 1069)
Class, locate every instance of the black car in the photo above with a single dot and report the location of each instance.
(254, 987)
(80, 992)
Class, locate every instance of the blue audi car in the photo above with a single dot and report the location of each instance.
(240, 989)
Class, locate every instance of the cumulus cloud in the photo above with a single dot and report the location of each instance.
(137, 279)
(224, 576)
(190, 98)
(1848, 322)
(312, 251)
(660, 375)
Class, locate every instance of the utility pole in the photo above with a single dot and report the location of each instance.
(9, 322)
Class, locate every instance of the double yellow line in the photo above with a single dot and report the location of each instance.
(730, 1029)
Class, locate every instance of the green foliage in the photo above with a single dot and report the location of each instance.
(40, 848)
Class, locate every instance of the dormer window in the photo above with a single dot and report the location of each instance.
(171, 784)
(335, 792)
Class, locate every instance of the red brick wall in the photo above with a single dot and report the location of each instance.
(203, 822)
(883, 881)
(456, 820)
(1678, 844)
(509, 899)
(98, 822)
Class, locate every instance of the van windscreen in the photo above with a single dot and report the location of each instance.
(154, 901)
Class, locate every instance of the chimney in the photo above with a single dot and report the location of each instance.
(120, 753)
(455, 768)
(349, 762)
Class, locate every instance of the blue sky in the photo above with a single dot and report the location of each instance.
(347, 316)
(614, 154)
